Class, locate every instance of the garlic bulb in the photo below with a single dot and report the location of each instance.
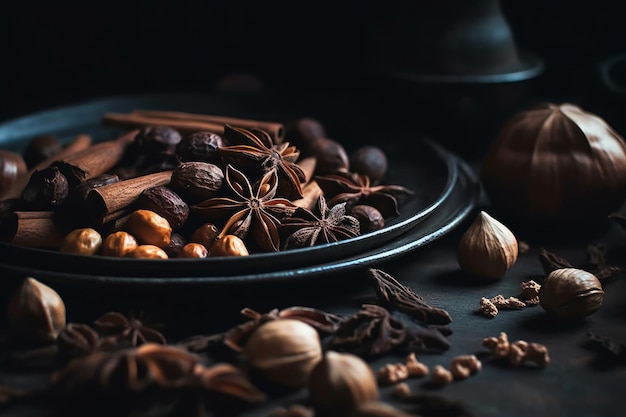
(487, 249)
(556, 163)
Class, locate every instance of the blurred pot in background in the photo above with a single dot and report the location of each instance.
(452, 69)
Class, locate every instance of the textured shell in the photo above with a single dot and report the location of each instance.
(571, 293)
(556, 162)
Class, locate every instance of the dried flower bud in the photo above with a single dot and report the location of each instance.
(36, 312)
(487, 249)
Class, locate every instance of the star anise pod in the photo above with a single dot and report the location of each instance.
(353, 189)
(130, 331)
(253, 152)
(305, 228)
(253, 208)
(132, 369)
(227, 379)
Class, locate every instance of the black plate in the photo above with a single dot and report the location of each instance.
(460, 202)
(428, 170)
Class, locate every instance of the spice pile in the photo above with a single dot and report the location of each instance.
(170, 187)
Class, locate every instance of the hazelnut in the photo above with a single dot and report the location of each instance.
(36, 312)
(83, 241)
(148, 251)
(571, 293)
(487, 249)
(284, 350)
(118, 244)
(193, 250)
(149, 228)
(340, 382)
(228, 245)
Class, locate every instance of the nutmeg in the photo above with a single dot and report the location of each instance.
(339, 383)
(369, 160)
(487, 249)
(571, 293)
(36, 312)
(331, 157)
(197, 181)
(166, 203)
(284, 350)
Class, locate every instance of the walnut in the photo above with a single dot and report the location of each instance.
(401, 390)
(500, 302)
(441, 376)
(487, 307)
(393, 372)
(415, 367)
(538, 354)
(518, 352)
(463, 366)
(498, 345)
(530, 292)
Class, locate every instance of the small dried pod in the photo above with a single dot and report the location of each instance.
(228, 245)
(487, 249)
(149, 228)
(149, 252)
(119, 244)
(36, 312)
(82, 241)
(12, 167)
(340, 383)
(571, 293)
(197, 181)
(285, 351)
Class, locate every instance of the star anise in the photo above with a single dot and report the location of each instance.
(253, 208)
(133, 331)
(253, 152)
(353, 189)
(227, 379)
(132, 369)
(305, 228)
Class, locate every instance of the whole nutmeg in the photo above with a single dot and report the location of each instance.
(197, 181)
(12, 167)
(36, 312)
(228, 245)
(119, 244)
(369, 217)
(487, 249)
(303, 132)
(556, 164)
(82, 241)
(339, 383)
(149, 228)
(177, 241)
(166, 203)
(284, 351)
(369, 160)
(571, 293)
(157, 140)
(200, 147)
(331, 157)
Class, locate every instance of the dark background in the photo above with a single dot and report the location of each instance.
(55, 53)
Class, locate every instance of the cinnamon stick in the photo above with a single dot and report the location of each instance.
(79, 143)
(310, 192)
(275, 129)
(103, 201)
(308, 167)
(35, 229)
(139, 121)
(94, 160)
